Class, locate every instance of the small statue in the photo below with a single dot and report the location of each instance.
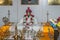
(28, 17)
(5, 19)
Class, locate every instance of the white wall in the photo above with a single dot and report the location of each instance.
(38, 10)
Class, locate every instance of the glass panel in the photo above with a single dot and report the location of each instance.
(29, 1)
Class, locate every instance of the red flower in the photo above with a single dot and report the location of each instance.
(26, 19)
(27, 23)
(58, 19)
(31, 18)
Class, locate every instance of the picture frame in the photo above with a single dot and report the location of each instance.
(5, 2)
(29, 2)
(54, 2)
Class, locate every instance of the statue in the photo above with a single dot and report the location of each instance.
(27, 23)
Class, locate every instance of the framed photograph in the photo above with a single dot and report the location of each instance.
(54, 2)
(29, 2)
(5, 2)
